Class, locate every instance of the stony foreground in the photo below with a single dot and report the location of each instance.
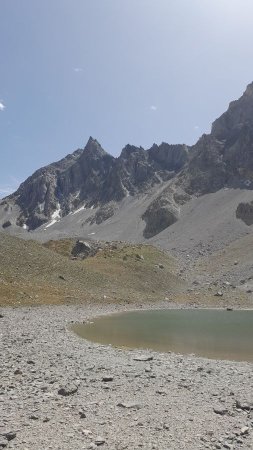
(58, 391)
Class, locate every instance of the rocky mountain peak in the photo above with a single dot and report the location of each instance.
(249, 90)
(91, 178)
(130, 150)
(93, 149)
(238, 115)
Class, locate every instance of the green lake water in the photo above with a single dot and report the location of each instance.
(217, 334)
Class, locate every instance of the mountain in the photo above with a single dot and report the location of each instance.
(225, 157)
(141, 193)
(91, 177)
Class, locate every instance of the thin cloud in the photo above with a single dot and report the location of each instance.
(9, 187)
(6, 190)
(153, 108)
(196, 127)
(78, 69)
(2, 106)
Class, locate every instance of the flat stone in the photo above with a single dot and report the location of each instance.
(67, 390)
(245, 406)
(129, 405)
(107, 379)
(219, 294)
(33, 417)
(99, 441)
(244, 430)
(221, 411)
(9, 435)
(82, 414)
(143, 358)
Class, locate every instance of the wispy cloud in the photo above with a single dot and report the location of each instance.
(153, 108)
(196, 128)
(78, 69)
(2, 106)
(7, 190)
(9, 187)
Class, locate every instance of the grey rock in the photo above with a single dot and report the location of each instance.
(104, 213)
(244, 405)
(244, 430)
(82, 249)
(161, 213)
(68, 389)
(6, 224)
(107, 379)
(220, 411)
(129, 405)
(219, 294)
(82, 414)
(244, 212)
(9, 435)
(99, 441)
(143, 358)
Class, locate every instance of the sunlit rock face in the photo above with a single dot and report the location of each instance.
(225, 157)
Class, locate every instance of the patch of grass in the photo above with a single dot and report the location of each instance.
(35, 274)
(62, 246)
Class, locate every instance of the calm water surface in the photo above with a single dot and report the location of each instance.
(215, 334)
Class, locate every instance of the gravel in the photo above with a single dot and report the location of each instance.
(58, 391)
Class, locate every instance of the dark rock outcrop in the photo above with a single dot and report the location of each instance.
(160, 214)
(225, 157)
(105, 212)
(245, 212)
(6, 224)
(92, 177)
(83, 249)
(239, 114)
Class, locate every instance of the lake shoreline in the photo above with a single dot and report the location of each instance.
(59, 391)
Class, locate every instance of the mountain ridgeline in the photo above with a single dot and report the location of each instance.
(170, 175)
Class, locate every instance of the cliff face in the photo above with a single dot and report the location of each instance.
(225, 157)
(239, 114)
(90, 177)
(62, 186)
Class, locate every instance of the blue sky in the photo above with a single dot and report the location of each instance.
(122, 71)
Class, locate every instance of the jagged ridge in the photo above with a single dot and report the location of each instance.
(93, 177)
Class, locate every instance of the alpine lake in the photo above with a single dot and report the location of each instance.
(215, 334)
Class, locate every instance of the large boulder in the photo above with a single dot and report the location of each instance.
(245, 212)
(161, 213)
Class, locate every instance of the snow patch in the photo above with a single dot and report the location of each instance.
(41, 207)
(50, 224)
(78, 210)
(55, 216)
(25, 226)
(127, 191)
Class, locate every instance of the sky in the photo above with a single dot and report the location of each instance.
(121, 71)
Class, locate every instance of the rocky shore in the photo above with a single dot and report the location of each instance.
(58, 391)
